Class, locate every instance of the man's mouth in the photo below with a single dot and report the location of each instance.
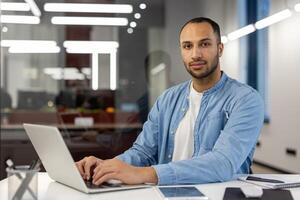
(198, 64)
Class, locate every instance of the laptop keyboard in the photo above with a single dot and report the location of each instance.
(90, 185)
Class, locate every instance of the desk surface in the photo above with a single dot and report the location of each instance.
(48, 189)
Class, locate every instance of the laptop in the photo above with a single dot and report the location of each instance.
(58, 162)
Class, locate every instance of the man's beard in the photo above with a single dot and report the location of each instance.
(207, 73)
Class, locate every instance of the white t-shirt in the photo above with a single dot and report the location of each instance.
(184, 136)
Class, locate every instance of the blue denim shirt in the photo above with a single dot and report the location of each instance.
(225, 134)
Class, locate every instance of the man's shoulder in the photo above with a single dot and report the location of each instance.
(238, 86)
(239, 89)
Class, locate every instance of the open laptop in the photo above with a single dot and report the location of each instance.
(59, 164)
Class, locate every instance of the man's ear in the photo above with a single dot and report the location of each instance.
(220, 49)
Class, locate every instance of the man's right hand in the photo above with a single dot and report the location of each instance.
(87, 165)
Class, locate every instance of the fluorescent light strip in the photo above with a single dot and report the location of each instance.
(57, 70)
(89, 47)
(25, 43)
(89, 51)
(88, 8)
(34, 49)
(34, 8)
(241, 32)
(78, 76)
(6, 6)
(297, 7)
(91, 44)
(273, 19)
(86, 71)
(19, 19)
(224, 39)
(113, 70)
(104, 21)
(158, 69)
(95, 75)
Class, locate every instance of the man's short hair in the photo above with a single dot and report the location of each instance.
(215, 26)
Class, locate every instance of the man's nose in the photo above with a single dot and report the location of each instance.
(196, 53)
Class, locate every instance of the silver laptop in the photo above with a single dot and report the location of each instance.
(58, 162)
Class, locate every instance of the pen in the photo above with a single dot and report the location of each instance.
(254, 178)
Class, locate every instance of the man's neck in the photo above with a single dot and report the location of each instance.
(206, 83)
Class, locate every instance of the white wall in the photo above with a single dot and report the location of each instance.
(284, 94)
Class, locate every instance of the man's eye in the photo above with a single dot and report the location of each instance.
(205, 44)
(187, 46)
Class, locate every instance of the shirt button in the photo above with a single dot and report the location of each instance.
(169, 156)
(172, 132)
(183, 109)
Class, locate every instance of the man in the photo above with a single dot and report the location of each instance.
(200, 131)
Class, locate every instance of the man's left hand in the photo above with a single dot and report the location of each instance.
(128, 174)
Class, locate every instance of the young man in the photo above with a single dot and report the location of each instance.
(200, 131)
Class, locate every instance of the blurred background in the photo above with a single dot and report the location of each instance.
(94, 68)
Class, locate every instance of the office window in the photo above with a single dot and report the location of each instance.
(254, 48)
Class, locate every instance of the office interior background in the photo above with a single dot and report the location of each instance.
(95, 72)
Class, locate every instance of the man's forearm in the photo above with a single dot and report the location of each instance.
(148, 175)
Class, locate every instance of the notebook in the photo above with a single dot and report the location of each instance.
(274, 181)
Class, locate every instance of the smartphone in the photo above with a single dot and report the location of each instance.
(181, 192)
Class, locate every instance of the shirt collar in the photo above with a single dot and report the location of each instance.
(216, 87)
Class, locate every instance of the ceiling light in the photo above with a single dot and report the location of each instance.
(88, 47)
(224, 39)
(241, 32)
(88, 8)
(86, 71)
(113, 71)
(105, 21)
(130, 30)
(56, 70)
(132, 24)
(34, 8)
(4, 29)
(34, 49)
(137, 15)
(90, 44)
(78, 76)
(95, 75)
(26, 43)
(273, 19)
(19, 19)
(89, 51)
(143, 6)
(7, 6)
(297, 7)
(158, 69)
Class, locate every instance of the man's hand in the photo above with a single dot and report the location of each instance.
(128, 174)
(86, 165)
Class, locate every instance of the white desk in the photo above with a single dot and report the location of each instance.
(50, 190)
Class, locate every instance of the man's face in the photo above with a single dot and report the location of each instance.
(200, 49)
